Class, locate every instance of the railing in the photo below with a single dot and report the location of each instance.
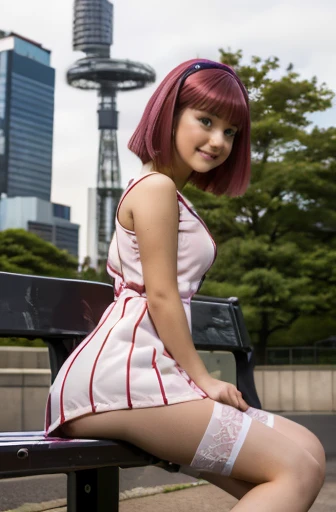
(300, 355)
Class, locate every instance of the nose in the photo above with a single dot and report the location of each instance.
(217, 139)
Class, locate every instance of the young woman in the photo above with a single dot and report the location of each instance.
(137, 376)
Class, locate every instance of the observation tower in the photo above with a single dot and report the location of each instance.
(93, 35)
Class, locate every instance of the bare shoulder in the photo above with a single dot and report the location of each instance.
(156, 190)
(156, 193)
(156, 183)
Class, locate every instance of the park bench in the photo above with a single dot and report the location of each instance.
(62, 312)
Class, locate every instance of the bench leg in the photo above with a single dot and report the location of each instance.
(96, 490)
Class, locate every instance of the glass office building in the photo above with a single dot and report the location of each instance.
(27, 83)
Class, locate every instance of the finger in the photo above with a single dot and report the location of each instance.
(243, 405)
(234, 400)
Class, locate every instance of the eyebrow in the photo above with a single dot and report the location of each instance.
(215, 115)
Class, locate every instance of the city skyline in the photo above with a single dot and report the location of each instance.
(301, 35)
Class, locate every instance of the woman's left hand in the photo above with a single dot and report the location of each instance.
(224, 392)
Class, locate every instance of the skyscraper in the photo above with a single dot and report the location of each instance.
(27, 83)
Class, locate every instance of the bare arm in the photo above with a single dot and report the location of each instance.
(156, 227)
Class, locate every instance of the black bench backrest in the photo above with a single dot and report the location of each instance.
(33, 306)
(63, 311)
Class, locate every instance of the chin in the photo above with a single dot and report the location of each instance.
(202, 171)
(205, 170)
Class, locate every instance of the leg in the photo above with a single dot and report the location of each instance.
(294, 431)
(287, 475)
(237, 488)
(302, 437)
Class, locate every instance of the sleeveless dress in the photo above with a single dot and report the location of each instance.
(123, 363)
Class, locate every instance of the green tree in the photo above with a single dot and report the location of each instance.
(26, 253)
(277, 243)
(89, 273)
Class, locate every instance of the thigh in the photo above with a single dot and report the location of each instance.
(302, 437)
(268, 454)
(175, 433)
(170, 432)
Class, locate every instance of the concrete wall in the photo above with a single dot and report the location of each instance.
(297, 388)
(25, 381)
(24, 357)
(23, 395)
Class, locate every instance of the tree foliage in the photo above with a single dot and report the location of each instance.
(89, 273)
(26, 253)
(277, 243)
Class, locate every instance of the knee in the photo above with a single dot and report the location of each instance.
(319, 454)
(315, 448)
(306, 474)
(321, 461)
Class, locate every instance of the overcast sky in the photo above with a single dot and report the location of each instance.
(163, 34)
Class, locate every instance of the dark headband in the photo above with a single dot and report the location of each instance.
(198, 66)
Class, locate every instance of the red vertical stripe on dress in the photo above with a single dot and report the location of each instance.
(159, 377)
(128, 384)
(74, 359)
(100, 351)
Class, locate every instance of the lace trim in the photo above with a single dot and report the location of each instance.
(264, 417)
(219, 439)
(224, 437)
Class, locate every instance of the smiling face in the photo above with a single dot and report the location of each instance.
(203, 141)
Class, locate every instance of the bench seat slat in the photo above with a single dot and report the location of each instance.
(61, 455)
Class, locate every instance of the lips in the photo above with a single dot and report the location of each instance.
(207, 155)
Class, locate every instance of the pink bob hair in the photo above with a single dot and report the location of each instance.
(217, 90)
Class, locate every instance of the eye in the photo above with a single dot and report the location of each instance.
(230, 132)
(206, 121)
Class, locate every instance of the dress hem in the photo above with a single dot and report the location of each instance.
(117, 407)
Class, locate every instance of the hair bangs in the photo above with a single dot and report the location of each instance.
(216, 92)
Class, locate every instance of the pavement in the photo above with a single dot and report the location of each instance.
(149, 489)
(196, 498)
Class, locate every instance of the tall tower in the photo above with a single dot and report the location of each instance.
(93, 35)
